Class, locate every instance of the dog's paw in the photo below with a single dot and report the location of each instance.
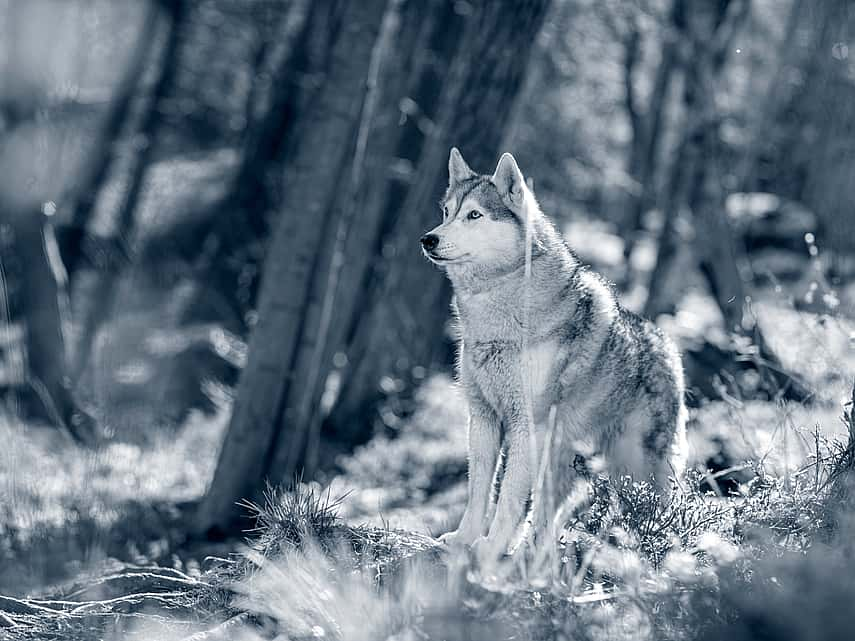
(449, 538)
(455, 538)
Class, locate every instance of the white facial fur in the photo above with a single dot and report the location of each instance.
(480, 242)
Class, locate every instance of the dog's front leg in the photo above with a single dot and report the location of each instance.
(514, 492)
(484, 444)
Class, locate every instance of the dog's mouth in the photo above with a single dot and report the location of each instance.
(443, 260)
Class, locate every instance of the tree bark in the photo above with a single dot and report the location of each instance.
(348, 252)
(294, 265)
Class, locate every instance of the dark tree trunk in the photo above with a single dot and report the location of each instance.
(351, 249)
(293, 265)
(286, 83)
(114, 252)
(345, 254)
(647, 129)
(33, 304)
(32, 294)
(71, 235)
(224, 245)
(661, 297)
(826, 147)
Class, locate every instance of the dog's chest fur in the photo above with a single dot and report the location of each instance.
(494, 359)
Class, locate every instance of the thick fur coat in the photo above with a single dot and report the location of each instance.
(561, 381)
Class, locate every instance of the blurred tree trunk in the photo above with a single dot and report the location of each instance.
(823, 115)
(345, 295)
(647, 132)
(33, 289)
(755, 167)
(225, 245)
(697, 186)
(33, 303)
(699, 125)
(286, 81)
(71, 235)
(110, 255)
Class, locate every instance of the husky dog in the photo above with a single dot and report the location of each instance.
(557, 374)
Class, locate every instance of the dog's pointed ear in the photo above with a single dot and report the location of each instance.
(458, 170)
(509, 180)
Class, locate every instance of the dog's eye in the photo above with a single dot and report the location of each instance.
(445, 213)
(473, 215)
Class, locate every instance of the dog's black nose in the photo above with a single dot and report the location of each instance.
(429, 241)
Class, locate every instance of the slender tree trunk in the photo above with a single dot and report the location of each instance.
(660, 300)
(720, 261)
(827, 151)
(293, 265)
(350, 249)
(644, 161)
(116, 249)
(705, 35)
(34, 298)
(273, 127)
(71, 235)
(33, 302)
(661, 297)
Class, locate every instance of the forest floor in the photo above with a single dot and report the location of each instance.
(92, 541)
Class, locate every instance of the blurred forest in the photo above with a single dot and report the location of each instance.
(209, 224)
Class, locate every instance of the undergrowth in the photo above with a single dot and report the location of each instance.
(775, 560)
(632, 566)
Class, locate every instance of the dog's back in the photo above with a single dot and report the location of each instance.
(614, 382)
(642, 417)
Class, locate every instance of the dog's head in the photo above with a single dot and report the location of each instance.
(483, 218)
